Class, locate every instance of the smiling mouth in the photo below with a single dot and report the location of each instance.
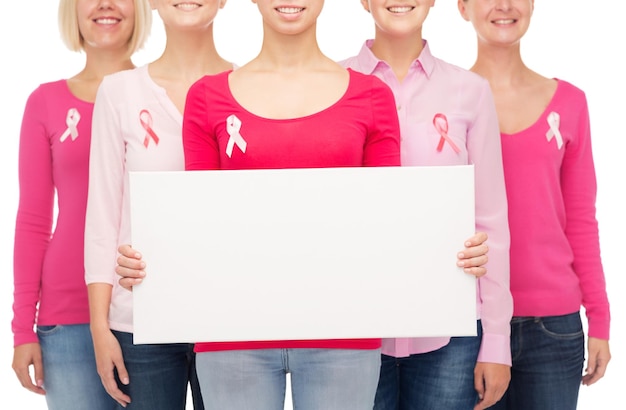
(504, 21)
(106, 20)
(187, 6)
(290, 10)
(400, 9)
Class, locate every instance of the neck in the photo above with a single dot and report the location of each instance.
(398, 52)
(502, 66)
(284, 52)
(188, 55)
(103, 62)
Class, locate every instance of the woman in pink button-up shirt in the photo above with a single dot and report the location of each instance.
(447, 117)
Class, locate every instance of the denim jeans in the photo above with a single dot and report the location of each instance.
(71, 379)
(441, 379)
(548, 357)
(328, 379)
(159, 374)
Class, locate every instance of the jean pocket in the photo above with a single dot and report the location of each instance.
(562, 327)
(47, 329)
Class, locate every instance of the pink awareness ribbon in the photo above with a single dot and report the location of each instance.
(233, 126)
(71, 120)
(554, 121)
(146, 122)
(441, 125)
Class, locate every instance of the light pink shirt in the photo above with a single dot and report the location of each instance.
(131, 112)
(434, 88)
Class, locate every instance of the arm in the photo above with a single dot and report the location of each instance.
(102, 226)
(201, 153)
(492, 372)
(33, 228)
(199, 141)
(382, 146)
(106, 347)
(578, 184)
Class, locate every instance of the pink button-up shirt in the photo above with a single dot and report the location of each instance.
(434, 97)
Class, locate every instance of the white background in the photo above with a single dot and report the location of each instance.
(575, 40)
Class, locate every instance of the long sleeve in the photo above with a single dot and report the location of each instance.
(106, 190)
(199, 140)
(34, 218)
(496, 303)
(578, 184)
(382, 147)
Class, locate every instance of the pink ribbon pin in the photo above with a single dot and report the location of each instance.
(441, 125)
(554, 121)
(233, 127)
(146, 122)
(71, 120)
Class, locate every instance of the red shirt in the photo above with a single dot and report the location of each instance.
(361, 129)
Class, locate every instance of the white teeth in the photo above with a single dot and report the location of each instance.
(290, 10)
(187, 6)
(404, 9)
(508, 21)
(107, 21)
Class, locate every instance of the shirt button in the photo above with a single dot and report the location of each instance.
(399, 107)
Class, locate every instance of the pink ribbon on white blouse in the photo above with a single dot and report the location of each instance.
(233, 126)
(145, 118)
(71, 120)
(554, 121)
(441, 125)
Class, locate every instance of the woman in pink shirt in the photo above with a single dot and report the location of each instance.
(551, 190)
(50, 291)
(447, 117)
(137, 126)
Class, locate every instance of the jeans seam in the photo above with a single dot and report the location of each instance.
(285, 358)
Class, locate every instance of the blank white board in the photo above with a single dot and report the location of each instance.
(302, 254)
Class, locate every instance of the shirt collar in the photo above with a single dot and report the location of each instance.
(368, 62)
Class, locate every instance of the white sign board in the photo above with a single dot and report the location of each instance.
(302, 254)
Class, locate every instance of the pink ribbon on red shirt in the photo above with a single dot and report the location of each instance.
(145, 118)
(71, 120)
(554, 121)
(441, 125)
(233, 126)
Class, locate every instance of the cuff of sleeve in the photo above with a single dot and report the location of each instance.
(25, 337)
(599, 329)
(495, 349)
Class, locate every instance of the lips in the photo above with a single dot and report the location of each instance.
(106, 20)
(290, 10)
(504, 21)
(400, 9)
(187, 6)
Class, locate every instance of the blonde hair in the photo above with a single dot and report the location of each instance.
(73, 39)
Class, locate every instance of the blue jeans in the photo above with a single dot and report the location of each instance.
(441, 379)
(70, 376)
(328, 379)
(548, 356)
(159, 374)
